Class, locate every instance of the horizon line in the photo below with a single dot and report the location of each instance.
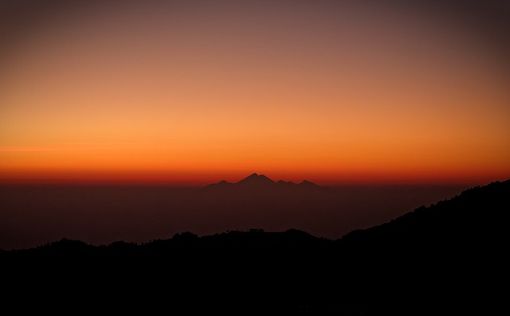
(203, 183)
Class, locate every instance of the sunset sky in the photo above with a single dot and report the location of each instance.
(192, 94)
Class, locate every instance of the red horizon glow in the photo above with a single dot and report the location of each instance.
(194, 178)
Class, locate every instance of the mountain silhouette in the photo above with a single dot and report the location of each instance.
(477, 214)
(259, 182)
(447, 257)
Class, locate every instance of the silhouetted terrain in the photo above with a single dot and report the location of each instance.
(100, 214)
(474, 217)
(449, 257)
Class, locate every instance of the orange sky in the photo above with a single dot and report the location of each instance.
(197, 95)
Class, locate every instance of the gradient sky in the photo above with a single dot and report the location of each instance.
(195, 93)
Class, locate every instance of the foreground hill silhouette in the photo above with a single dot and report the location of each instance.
(475, 216)
(448, 257)
(100, 214)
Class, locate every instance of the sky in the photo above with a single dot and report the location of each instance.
(193, 92)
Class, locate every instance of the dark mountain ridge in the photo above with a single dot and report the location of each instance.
(448, 258)
(476, 214)
(260, 182)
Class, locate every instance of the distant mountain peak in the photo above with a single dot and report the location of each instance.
(260, 181)
(256, 178)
